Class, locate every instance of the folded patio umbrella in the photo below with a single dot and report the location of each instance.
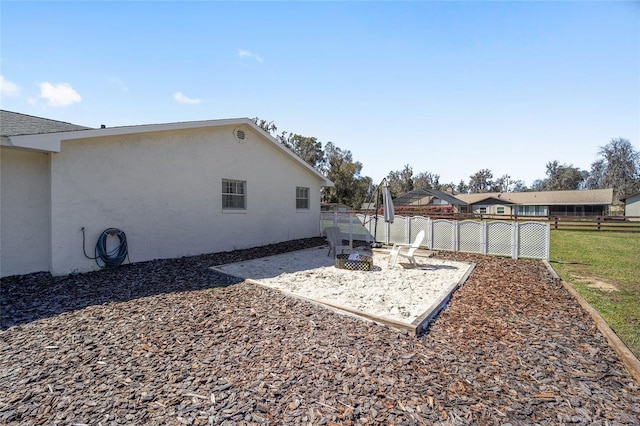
(387, 202)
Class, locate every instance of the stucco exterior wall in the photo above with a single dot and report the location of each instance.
(632, 206)
(24, 211)
(491, 209)
(164, 190)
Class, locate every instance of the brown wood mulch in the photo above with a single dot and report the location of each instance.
(172, 342)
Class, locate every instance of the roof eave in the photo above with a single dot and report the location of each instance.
(51, 142)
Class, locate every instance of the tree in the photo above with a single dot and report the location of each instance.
(307, 148)
(481, 181)
(538, 185)
(427, 180)
(597, 175)
(518, 186)
(267, 126)
(462, 187)
(563, 177)
(349, 187)
(619, 168)
(503, 183)
(401, 182)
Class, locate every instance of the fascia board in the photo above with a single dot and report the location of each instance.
(50, 142)
(41, 142)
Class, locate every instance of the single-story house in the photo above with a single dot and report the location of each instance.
(594, 202)
(632, 206)
(174, 189)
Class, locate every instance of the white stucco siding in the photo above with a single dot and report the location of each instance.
(24, 211)
(632, 207)
(164, 190)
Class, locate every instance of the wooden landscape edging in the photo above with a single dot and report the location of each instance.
(627, 357)
(343, 309)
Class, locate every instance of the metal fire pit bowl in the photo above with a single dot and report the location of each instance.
(365, 263)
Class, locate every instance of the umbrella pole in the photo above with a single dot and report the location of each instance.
(375, 243)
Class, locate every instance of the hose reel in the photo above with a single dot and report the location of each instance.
(105, 257)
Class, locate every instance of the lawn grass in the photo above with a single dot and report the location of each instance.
(604, 267)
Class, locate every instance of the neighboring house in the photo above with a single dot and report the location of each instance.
(175, 189)
(595, 202)
(632, 206)
(335, 207)
(429, 200)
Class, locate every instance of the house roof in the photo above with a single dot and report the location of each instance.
(451, 199)
(630, 196)
(420, 193)
(15, 123)
(45, 135)
(586, 197)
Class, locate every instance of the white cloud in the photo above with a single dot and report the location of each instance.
(178, 96)
(8, 88)
(61, 94)
(247, 54)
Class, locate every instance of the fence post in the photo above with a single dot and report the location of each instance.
(456, 236)
(547, 242)
(335, 218)
(430, 233)
(515, 240)
(485, 242)
(407, 229)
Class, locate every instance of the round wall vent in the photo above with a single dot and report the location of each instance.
(239, 134)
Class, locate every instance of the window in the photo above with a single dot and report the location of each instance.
(500, 210)
(302, 198)
(234, 194)
(482, 210)
(532, 210)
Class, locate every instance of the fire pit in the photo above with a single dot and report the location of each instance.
(361, 263)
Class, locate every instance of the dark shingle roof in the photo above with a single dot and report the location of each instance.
(14, 124)
(418, 194)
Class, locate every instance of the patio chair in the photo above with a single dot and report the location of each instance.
(334, 237)
(406, 250)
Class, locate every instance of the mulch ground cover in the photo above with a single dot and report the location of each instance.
(172, 342)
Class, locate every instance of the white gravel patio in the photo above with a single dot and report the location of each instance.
(399, 296)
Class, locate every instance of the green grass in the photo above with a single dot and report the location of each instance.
(604, 267)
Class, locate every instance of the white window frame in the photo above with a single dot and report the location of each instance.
(304, 196)
(237, 190)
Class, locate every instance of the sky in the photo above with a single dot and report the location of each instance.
(446, 87)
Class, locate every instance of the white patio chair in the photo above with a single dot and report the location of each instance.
(406, 250)
(334, 238)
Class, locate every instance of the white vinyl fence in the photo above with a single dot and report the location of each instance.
(499, 238)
